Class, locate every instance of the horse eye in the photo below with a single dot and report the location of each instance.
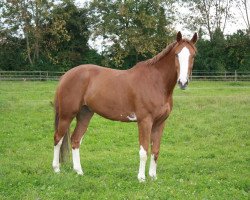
(176, 55)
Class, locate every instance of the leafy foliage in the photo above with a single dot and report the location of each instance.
(135, 29)
(224, 53)
(48, 35)
(54, 35)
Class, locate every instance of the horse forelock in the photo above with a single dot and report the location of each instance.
(190, 43)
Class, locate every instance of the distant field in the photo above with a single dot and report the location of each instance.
(204, 154)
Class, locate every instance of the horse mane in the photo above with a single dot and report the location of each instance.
(165, 51)
(160, 55)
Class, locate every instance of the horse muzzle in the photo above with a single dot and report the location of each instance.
(182, 84)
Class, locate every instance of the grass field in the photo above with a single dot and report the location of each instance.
(204, 154)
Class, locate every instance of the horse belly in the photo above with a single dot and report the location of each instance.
(111, 101)
(113, 110)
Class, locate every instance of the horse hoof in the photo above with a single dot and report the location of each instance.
(141, 179)
(56, 169)
(79, 171)
(153, 178)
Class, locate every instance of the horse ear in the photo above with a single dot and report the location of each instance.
(194, 38)
(179, 37)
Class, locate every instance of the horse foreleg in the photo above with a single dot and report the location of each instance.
(83, 119)
(155, 148)
(144, 127)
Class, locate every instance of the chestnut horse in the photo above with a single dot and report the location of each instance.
(142, 94)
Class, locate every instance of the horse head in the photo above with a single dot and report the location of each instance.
(184, 58)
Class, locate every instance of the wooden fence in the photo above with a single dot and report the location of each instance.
(220, 76)
(30, 75)
(49, 75)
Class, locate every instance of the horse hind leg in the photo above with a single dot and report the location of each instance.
(83, 118)
(63, 126)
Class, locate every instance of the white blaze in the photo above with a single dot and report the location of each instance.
(143, 159)
(183, 57)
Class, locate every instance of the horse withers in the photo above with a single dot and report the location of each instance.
(142, 94)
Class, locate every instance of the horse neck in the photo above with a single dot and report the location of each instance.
(166, 67)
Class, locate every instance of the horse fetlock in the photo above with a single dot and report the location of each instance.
(76, 161)
(56, 168)
(141, 177)
(152, 174)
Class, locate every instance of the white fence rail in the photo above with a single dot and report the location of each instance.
(49, 75)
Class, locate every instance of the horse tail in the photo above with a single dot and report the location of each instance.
(55, 105)
(65, 147)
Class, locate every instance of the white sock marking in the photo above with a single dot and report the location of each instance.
(76, 161)
(183, 57)
(55, 164)
(143, 159)
(152, 168)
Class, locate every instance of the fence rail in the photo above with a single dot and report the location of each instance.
(48, 76)
(29, 75)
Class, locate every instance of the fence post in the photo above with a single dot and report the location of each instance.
(40, 75)
(235, 75)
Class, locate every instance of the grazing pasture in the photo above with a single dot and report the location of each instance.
(204, 153)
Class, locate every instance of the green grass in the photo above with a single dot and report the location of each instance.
(204, 151)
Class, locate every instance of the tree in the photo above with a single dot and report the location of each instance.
(66, 36)
(11, 52)
(211, 55)
(44, 35)
(237, 50)
(224, 53)
(135, 29)
(243, 6)
(210, 15)
(24, 19)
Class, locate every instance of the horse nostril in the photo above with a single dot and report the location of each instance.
(182, 85)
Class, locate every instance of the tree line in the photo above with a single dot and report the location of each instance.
(54, 35)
